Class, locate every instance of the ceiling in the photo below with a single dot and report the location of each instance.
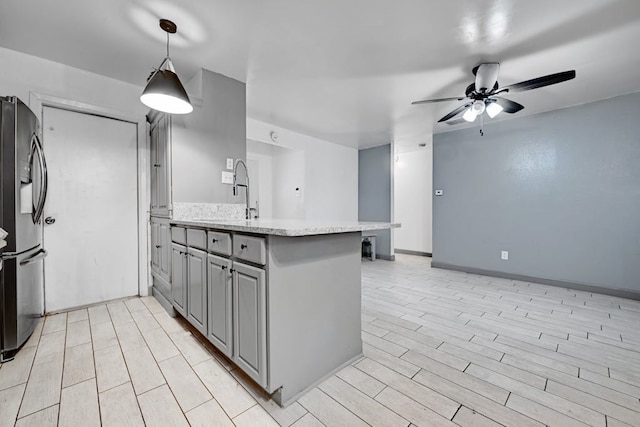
(347, 70)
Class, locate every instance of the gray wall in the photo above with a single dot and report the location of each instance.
(560, 191)
(203, 140)
(374, 193)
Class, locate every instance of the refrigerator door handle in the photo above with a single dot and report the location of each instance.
(35, 257)
(42, 197)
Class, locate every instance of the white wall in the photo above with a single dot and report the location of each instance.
(413, 203)
(22, 74)
(330, 172)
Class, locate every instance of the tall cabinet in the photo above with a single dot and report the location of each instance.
(160, 202)
(186, 156)
(159, 147)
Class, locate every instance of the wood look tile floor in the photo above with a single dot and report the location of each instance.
(442, 348)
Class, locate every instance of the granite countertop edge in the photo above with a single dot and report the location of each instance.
(286, 228)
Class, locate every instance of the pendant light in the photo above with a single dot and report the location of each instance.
(164, 92)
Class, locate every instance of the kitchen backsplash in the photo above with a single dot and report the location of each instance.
(187, 211)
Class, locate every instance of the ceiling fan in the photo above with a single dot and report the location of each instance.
(483, 94)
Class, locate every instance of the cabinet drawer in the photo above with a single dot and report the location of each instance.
(250, 248)
(197, 239)
(219, 243)
(178, 235)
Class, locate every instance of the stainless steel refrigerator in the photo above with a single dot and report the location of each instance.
(23, 192)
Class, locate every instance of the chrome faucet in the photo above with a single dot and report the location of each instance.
(245, 185)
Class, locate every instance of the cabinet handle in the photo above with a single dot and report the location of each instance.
(224, 267)
(156, 165)
(231, 270)
(243, 246)
(214, 240)
(158, 246)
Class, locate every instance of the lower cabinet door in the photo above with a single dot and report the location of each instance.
(179, 278)
(155, 246)
(250, 328)
(220, 293)
(197, 289)
(164, 241)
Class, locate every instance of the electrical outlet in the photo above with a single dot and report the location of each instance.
(230, 164)
(227, 177)
(504, 255)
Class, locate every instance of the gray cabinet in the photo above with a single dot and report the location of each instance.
(179, 278)
(155, 252)
(161, 256)
(160, 248)
(189, 284)
(197, 289)
(160, 164)
(250, 248)
(285, 310)
(250, 321)
(237, 305)
(220, 298)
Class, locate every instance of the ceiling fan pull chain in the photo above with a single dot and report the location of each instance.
(481, 124)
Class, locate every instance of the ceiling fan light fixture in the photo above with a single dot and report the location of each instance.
(482, 93)
(164, 91)
(470, 115)
(478, 107)
(493, 109)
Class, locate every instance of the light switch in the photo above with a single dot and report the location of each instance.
(227, 177)
(439, 192)
(230, 164)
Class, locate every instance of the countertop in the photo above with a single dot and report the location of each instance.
(286, 227)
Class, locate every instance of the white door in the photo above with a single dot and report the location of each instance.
(93, 243)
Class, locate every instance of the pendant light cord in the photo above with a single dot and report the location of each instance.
(167, 44)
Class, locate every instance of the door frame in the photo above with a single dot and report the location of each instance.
(37, 102)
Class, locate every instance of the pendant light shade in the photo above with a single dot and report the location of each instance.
(164, 91)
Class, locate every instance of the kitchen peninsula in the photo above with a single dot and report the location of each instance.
(280, 298)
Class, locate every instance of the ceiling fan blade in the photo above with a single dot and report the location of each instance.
(508, 105)
(456, 122)
(455, 112)
(428, 101)
(486, 76)
(551, 79)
